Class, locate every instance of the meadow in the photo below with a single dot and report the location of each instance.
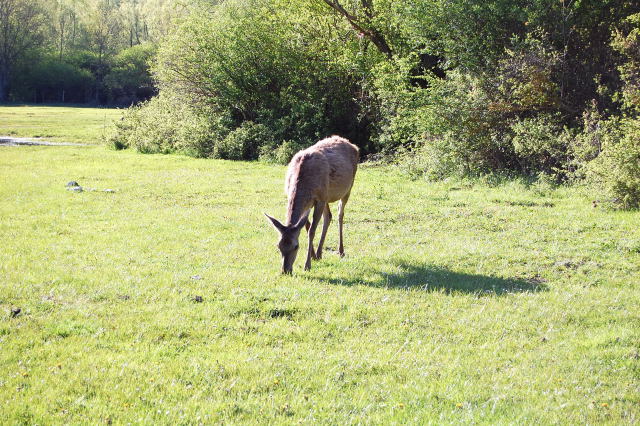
(57, 123)
(161, 302)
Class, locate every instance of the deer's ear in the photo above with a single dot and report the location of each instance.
(298, 226)
(276, 223)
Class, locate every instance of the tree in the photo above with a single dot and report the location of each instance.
(64, 22)
(129, 80)
(103, 25)
(363, 16)
(21, 28)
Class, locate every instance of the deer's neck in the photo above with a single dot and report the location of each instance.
(299, 203)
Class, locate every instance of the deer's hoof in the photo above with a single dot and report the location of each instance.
(341, 254)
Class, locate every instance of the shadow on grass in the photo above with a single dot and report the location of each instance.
(436, 279)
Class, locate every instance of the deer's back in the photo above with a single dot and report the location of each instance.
(324, 171)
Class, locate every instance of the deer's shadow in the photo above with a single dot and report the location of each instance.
(431, 278)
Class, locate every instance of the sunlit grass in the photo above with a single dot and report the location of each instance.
(58, 123)
(456, 302)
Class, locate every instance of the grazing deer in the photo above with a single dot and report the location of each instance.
(317, 176)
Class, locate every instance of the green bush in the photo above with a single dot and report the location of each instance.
(50, 79)
(540, 144)
(129, 79)
(247, 79)
(617, 169)
(250, 62)
(240, 75)
(609, 150)
(587, 144)
(449, 128)
(164, 125)
(473, 123)
(428, 161)
(627, 43)
(280, 153)
(244, 142)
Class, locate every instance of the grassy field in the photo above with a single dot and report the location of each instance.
(56, 123)
(162, 302)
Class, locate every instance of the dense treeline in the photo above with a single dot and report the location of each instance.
(82, 51)
(543, 88)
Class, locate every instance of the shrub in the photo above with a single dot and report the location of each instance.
(540, 144)
(617, 169)
(244, 142)
(477, 123)
(50, 79)
(280, 153)
(129, 79)
(239, 75)
(609, 150)
(627, 43)
(249, 61)
(164, 125)
(587, 144)
(426, 161)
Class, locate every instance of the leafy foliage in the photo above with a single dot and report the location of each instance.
(617, 168)
(129, 79)
(455, 87)
(52, 78)
(541, 144)
(163, 125)
(119, 36)
(250, 62)
(243, 142)
(628, 44)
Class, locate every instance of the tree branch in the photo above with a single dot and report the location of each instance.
(372, 34)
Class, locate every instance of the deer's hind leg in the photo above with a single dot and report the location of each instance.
(341, 205)
(325, 227)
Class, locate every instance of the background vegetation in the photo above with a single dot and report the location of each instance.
(81, 51)
(455, 87)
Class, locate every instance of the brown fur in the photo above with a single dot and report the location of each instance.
(317, 176)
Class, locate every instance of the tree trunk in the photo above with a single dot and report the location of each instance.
(4, 84)
(61, 47)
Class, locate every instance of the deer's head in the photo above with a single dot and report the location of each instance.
(288, 243)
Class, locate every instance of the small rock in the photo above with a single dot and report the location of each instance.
(196, 277)
(108, 190)
(197, 299)
(75, 189)
(15, 311)
(72, 183)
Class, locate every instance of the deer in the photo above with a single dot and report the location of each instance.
(316, 176)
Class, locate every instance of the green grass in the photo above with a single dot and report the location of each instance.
(56, 123)
(456, 303)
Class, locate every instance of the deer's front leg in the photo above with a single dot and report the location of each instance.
(317, 214)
